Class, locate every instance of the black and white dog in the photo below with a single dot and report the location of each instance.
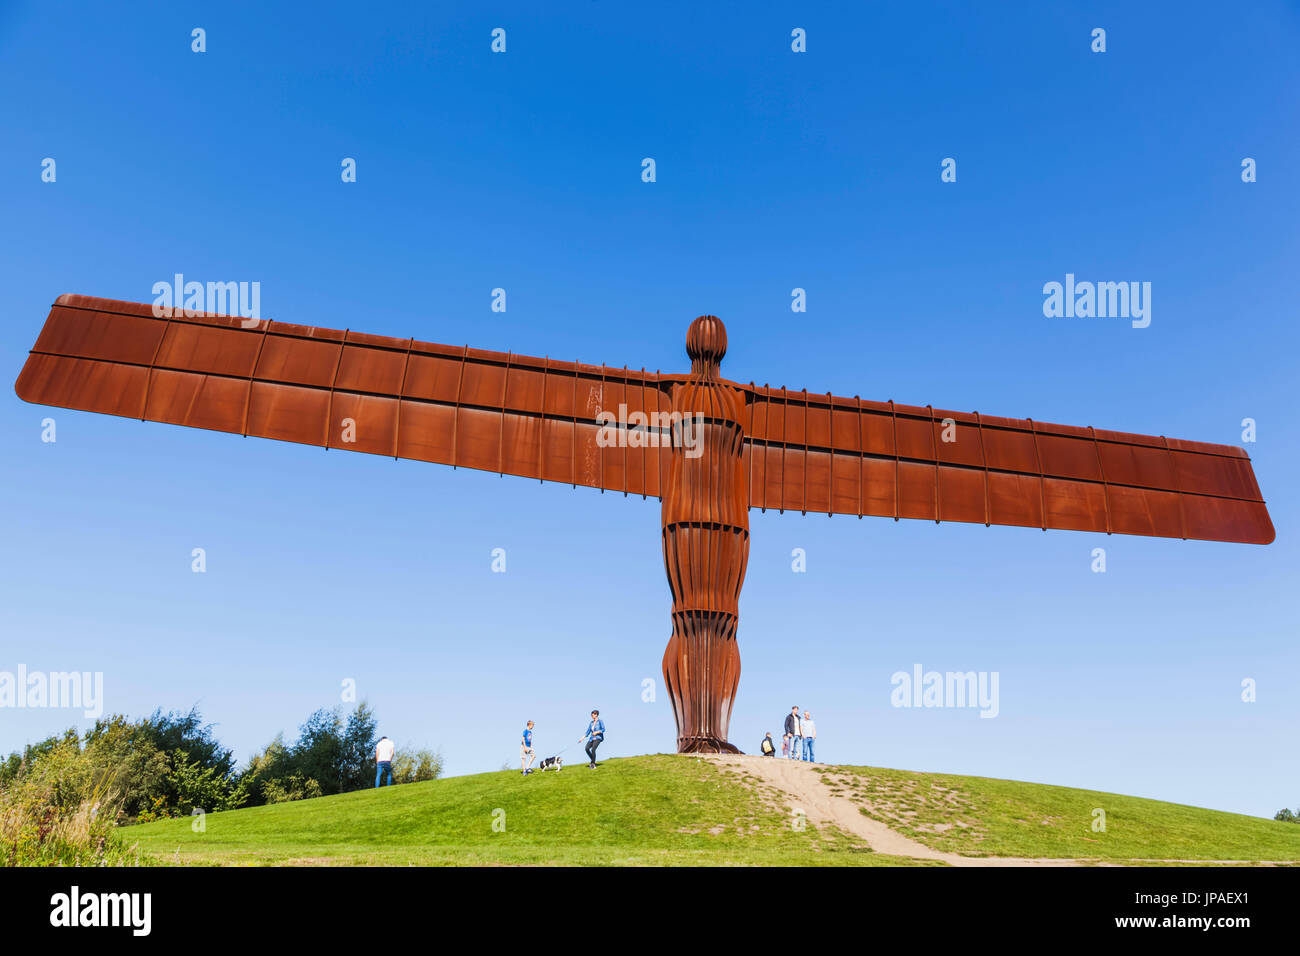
(550, 763)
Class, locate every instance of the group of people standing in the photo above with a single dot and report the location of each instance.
(797, 743)
(798, 739)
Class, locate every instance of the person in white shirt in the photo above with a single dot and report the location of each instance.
(384, 761)
(809, 736)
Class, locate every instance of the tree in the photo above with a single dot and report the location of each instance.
(411, 765)
(318, 753)
(263, 769)
(357, 749)
(118, 757)
(175, 731)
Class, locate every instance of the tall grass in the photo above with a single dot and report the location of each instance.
(37, 828)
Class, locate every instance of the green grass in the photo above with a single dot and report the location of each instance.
(680, 811)
(980, 816)
(664, 809)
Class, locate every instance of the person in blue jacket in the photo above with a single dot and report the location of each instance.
(594, 736)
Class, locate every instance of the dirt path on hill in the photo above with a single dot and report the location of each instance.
(804, 790)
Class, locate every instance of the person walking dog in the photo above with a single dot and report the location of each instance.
(594, 736)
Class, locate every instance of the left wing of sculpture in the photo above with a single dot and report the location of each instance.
(824, 453)
(454, 405)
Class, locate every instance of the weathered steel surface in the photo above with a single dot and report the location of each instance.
(705, 518)
(453, 405)
(546, 419)
(823, 453)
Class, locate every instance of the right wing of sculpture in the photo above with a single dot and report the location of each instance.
(824, 453)
(493, 411)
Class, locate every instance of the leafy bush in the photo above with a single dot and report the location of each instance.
(336, 754)
(411, 765)
(61, 798)
(292, 787)
(203, 788)
(128, 760)
(332, 754)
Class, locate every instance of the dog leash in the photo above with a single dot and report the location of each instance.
(556, 754)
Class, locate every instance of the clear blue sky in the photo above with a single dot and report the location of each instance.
(775, 170)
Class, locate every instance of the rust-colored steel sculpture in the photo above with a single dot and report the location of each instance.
(706, 544)
(709, 448)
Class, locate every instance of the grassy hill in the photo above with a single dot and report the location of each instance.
(982, 816)
(677, 810)
(639, 810)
